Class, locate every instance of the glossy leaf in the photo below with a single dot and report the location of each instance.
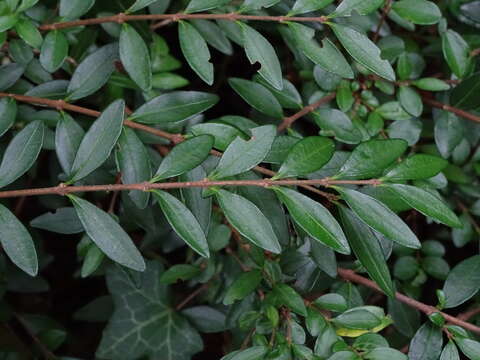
(410, 101)
(362, 7)
(68, 137)
(462, 282)
(242, 286)
(339, 124)
(289, 297)
(54, 51)
(202, 5)
(139, 5)
(8, 113)
(426, 344)
(416, 167)
(73, 9)
(456, 52)
(450, 352)
(304, 6)
(420, 12)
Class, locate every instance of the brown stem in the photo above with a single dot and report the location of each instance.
(288, 121)
(386, 10)
(454, 110)
(122, 18)
(467, 315)
(146, 186)
(192, 296)
(350, 275)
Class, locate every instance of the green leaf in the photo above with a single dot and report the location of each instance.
(431, 84)
(17, 242)
(202, 5)
(470, 348)
(206, 319)
(252, 353)
(290, 298)
(26, 4)
(249, 5)
(98, 142)
(450, 352)
(9, 75)
(8, 21)
(68, 137)
(456, 52)
(173, 107)
(249, 221)
(258, 49)
(314, 219)
(448, 132)
(245, 284)
(8, 113)
(179, 272)
(306, 157)
(257, 96)
(382, 353)
(195, 49)
(426, 344)
(410, 101)
(416, 167)
(54, 51)
(304, 6)
(393, 110)
(107, 234)
(463, 282)
(421, 12)
(288, 97)
(213, 35)
(63, 221)
(93, 260)
(73, 9)
(464, 95)
(134, 165)
(21, 153)
(368, 250)
(223, 133)
(339, 123)
(242, 155)
(371, 158)
(155, 332)
(139, 5)
(135, 57)
(29, 33)
(361, 318)
(184, 157)
(327, 56)
(332, 302)
(427, 203)
(363, 50)
(93, 72)
(362, 7)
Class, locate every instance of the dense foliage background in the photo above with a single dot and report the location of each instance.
(239, 179)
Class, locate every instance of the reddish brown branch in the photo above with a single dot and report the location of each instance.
(122, 18)
(454, 110)
(192, 296)
(288, 121)
(350, 275)
(467, 315)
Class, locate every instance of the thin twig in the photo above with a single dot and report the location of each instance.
(467, 315)
(192, 296)
(385, 12)
(452, 109)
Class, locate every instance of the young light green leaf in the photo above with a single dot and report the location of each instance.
(426, 344)
(26, 4)
(462, 282)
(98, 142)
(416, 167)
(108, 235)
(54, 51)
(363, 50)
(17, 242)
(427, 203)
(184, 157)
(139, 5)
(134, 165)
(314, 219)
(73, 9)
(421, 12)
(362, 7)
(290, 298)
(8, 113)
(410, 101)
(380, 218)
(93, 72)
(450, 352)
(360, 318)
(304, 6)
(327, 56)
(306, 157)
(431, 84)
(68, 137)
(245, 284)
(370, 158)
(257, 96)
(258, 49)
(242, 155)
(195, 49)
(29, 33)
(135, 57)
(392, 110)
(368, 250)
(249, 221)
(456, 52)
(21, 153)
(202, 5)
(183, 222)
(8, 21)
(173, 107)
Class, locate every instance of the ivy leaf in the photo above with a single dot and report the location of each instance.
(156, 332)
(363, 50)
(463, 282)
(314, 219)
(327, 56)
(426, 344)
(17, 242)
(54, 51)
(183, 222)
(184, 157)
(258, 49)
(245, 284)
(73, 9)
(427, 203)
(421, 12)
(173, 107)
(306, 157)
(304, 6)
(380, 218)
(107, 234)
(257, 96)
(135, 57)
(139, 5)
(21, 153)
(368, 250)
(456, 52)
(242, 155)
(134, 165)
(362, 7)
(416, 167)
(68, 137)
(195, 49)
(8, 113)
(98, 142)
(248, 220)
(202, 5)
(93, 72)
(370, 158)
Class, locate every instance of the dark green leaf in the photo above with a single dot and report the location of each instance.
(421, 12)
(8, 113)
(332, 302)
(29, 33)
(54, 51)
(450, 352)
(410, 101)
(245, 284)
(290, 298)
(63, 221)
(456, 52)
(179, 272)
(339, 123)
(213, 35)
(73, 9)
(426, 344)
(362, 7)
(223, 133)
(68, 137)
(304, 6)
(252, 353)
(139, 5)
(9, 75)
(464, 95)
(462, 282)
(206, 319)
(202, 5)
(416, 167)
(382, 353)
(361, 318)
